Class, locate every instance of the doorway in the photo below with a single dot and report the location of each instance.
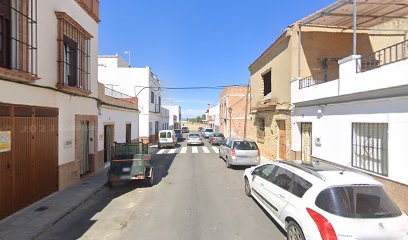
(282, 139)
(108, 142)
(84, 161)
(306, 142)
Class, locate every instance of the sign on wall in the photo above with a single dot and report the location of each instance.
(5, 141)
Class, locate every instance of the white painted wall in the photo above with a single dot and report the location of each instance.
(391, 75)
(174, 110)
(334, 128)
(69, 106)
(131, 81)
(119, 118)
(214, 112)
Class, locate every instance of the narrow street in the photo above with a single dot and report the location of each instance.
(194, 197)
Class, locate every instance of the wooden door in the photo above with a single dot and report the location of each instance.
(282, 139)
(306, 142)
(84, 164)
(108, 142)
(29, 167)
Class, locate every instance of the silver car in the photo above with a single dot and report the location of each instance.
(207, 132)
(194, 139)
(240, 152)
(216, 138)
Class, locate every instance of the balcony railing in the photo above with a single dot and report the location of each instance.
(319, 78)
(118, 95)
(384, 56)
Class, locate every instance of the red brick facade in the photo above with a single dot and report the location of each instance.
(235, 97)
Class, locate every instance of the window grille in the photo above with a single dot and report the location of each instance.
(18, 35)
(74, 57)
(370, 147)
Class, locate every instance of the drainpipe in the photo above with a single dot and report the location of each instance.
(354, 27)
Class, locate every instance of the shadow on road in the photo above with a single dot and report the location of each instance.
(78, 222)
(270, 218)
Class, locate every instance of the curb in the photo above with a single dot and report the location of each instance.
(70, 210)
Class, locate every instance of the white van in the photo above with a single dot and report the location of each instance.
(167, 138)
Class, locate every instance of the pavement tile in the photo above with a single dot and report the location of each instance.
(28, 223)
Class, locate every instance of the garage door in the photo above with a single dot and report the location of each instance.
(28, 155)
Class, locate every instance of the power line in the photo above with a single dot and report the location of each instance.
(241, 99)
(194, 87)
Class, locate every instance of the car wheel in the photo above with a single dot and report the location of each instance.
(294, 232)
(227, 163)
(247, 188)
(158, 146)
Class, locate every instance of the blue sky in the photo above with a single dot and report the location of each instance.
(196, 43)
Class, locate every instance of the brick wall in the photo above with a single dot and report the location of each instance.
(235, 98)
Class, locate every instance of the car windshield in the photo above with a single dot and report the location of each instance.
(245, 145)
(208, 130)
(193, 136)
(218, 135)
(177, 131)
(360, 201)
(184, 128)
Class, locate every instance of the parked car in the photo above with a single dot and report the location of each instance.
(322, 201)
(241, 152)
(167, 138)
(194, 139)
(185, 130)
(216, 138)
(179, 135)
(206, 132)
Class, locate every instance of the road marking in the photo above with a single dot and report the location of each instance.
(205, 149)
(172, 151)
(161, 151)
(216, 150)
(183, 150)
(194, 149)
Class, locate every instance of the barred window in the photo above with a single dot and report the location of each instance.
(370, 147)
(74, 54)
(18, 35)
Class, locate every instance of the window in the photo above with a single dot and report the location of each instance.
(18, 36)
(128, 133)
(267, 82)
(282, 178)
(245, 145)
(159, 101)
(261, 128)
(357, 202)
(74, 57)
(300, 186)
(152, 97)
(370, 147)
(264, 171)
(163, 135)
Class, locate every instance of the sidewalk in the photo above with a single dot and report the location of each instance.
(31, 221)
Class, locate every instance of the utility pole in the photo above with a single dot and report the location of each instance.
(354, 27)
(230, 121)
(246, 109)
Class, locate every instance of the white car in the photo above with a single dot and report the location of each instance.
(322, 201)
(167, 138)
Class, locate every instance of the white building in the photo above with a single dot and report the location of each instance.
(48, 84)
(114, 72)
(174, 116)
(214, 118)
(359, 119)
(118, 120)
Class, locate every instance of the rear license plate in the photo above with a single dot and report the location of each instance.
(125, 177)
(126, 169)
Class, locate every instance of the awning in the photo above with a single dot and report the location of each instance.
(369, 13)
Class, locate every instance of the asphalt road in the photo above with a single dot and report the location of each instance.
(194, 197)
